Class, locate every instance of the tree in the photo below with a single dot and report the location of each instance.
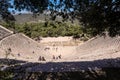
(4, 10)
(98, 15)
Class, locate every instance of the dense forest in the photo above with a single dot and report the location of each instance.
(50, 29)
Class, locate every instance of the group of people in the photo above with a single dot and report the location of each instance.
(41, 58)
(54, 58)
(58, 57)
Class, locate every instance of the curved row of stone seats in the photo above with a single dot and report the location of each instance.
(99, 45)
(24, 46)
(4, 32)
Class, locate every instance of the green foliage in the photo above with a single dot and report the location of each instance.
(100, 15)
(10, 25)
(51, 29)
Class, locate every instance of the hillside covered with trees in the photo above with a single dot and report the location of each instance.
(50, 29)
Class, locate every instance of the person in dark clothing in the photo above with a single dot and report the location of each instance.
(40, 58)
(53, 57)
(59, 56)
(43, 59)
